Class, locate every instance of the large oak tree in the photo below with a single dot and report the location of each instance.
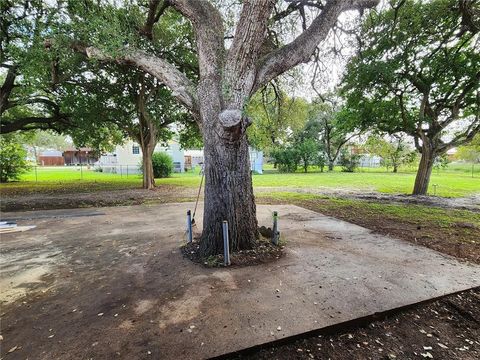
(418, 72)
(227, 78)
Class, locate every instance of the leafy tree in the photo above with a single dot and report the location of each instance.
(286, 159)
(307, 151)
(218, 88)
(327, 124)
(394, 151)
(13, 161)
(276, 116)
(47, 86)
(418, 72)
(470, 152)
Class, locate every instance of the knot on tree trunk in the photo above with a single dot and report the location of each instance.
(230, 118)
(234, 124)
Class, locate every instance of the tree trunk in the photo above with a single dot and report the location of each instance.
(424, 168)
(395, 168)
(330, 165)
(148, 177)
(228, 193)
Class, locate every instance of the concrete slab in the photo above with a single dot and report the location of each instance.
(116, 285)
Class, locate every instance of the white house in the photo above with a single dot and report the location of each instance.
(127, 158)
(196, 157)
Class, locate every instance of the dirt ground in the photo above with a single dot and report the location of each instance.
(104, 284)
(446, 329)
(43, 200)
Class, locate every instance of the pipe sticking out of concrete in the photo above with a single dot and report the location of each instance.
(275, 232)
(189, 226)
(226, 246)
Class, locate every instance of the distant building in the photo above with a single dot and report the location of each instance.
(127, 158)
(80, 156)
(195, 157)
(51, 158)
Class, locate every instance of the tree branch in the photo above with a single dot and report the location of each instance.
(249, 37)
(302, 48)
(182, 88)
(34, 122)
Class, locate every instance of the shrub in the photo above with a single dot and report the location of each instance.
(348, 161)
(286, 160)
(13, 161)
(162, 165)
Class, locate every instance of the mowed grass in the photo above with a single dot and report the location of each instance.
(449, 183)
(456, 181)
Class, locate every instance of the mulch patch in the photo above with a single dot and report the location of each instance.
(264, 252)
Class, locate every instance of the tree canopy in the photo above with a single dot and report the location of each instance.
(418, 72)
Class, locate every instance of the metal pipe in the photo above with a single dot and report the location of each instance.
(275, 228)
(189, 226)
(226, 246)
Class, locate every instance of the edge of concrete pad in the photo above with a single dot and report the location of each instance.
(345, 325)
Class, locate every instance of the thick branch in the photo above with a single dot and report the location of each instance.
(7, 88)
(34, 122)
(302, 48)
(181, 87)
(249, 37)
(152, 17)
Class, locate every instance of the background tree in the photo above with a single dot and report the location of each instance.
(327, 123)
(47, 86)
(277, 117)
(418, 72)
(394, 151)
(13, 162)
(470, 152)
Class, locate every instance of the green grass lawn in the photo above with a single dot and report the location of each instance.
(455, 181)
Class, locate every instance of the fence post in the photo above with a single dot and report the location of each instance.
(226, 246)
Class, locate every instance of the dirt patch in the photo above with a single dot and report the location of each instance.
(445, 329)
(61, 200)
(263, 253)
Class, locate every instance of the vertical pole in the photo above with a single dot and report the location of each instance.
(36, 175)
(226, 246)
(81, 169)
(275, 228)
(189, 226)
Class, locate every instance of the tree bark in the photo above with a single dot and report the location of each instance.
(330, 165)
(148, 177)
(424, 168)
(395, 168)
(228, 193)
(147, 136)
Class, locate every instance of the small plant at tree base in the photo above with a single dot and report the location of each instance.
(348, 161)
(162, 165)
(13, 161)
